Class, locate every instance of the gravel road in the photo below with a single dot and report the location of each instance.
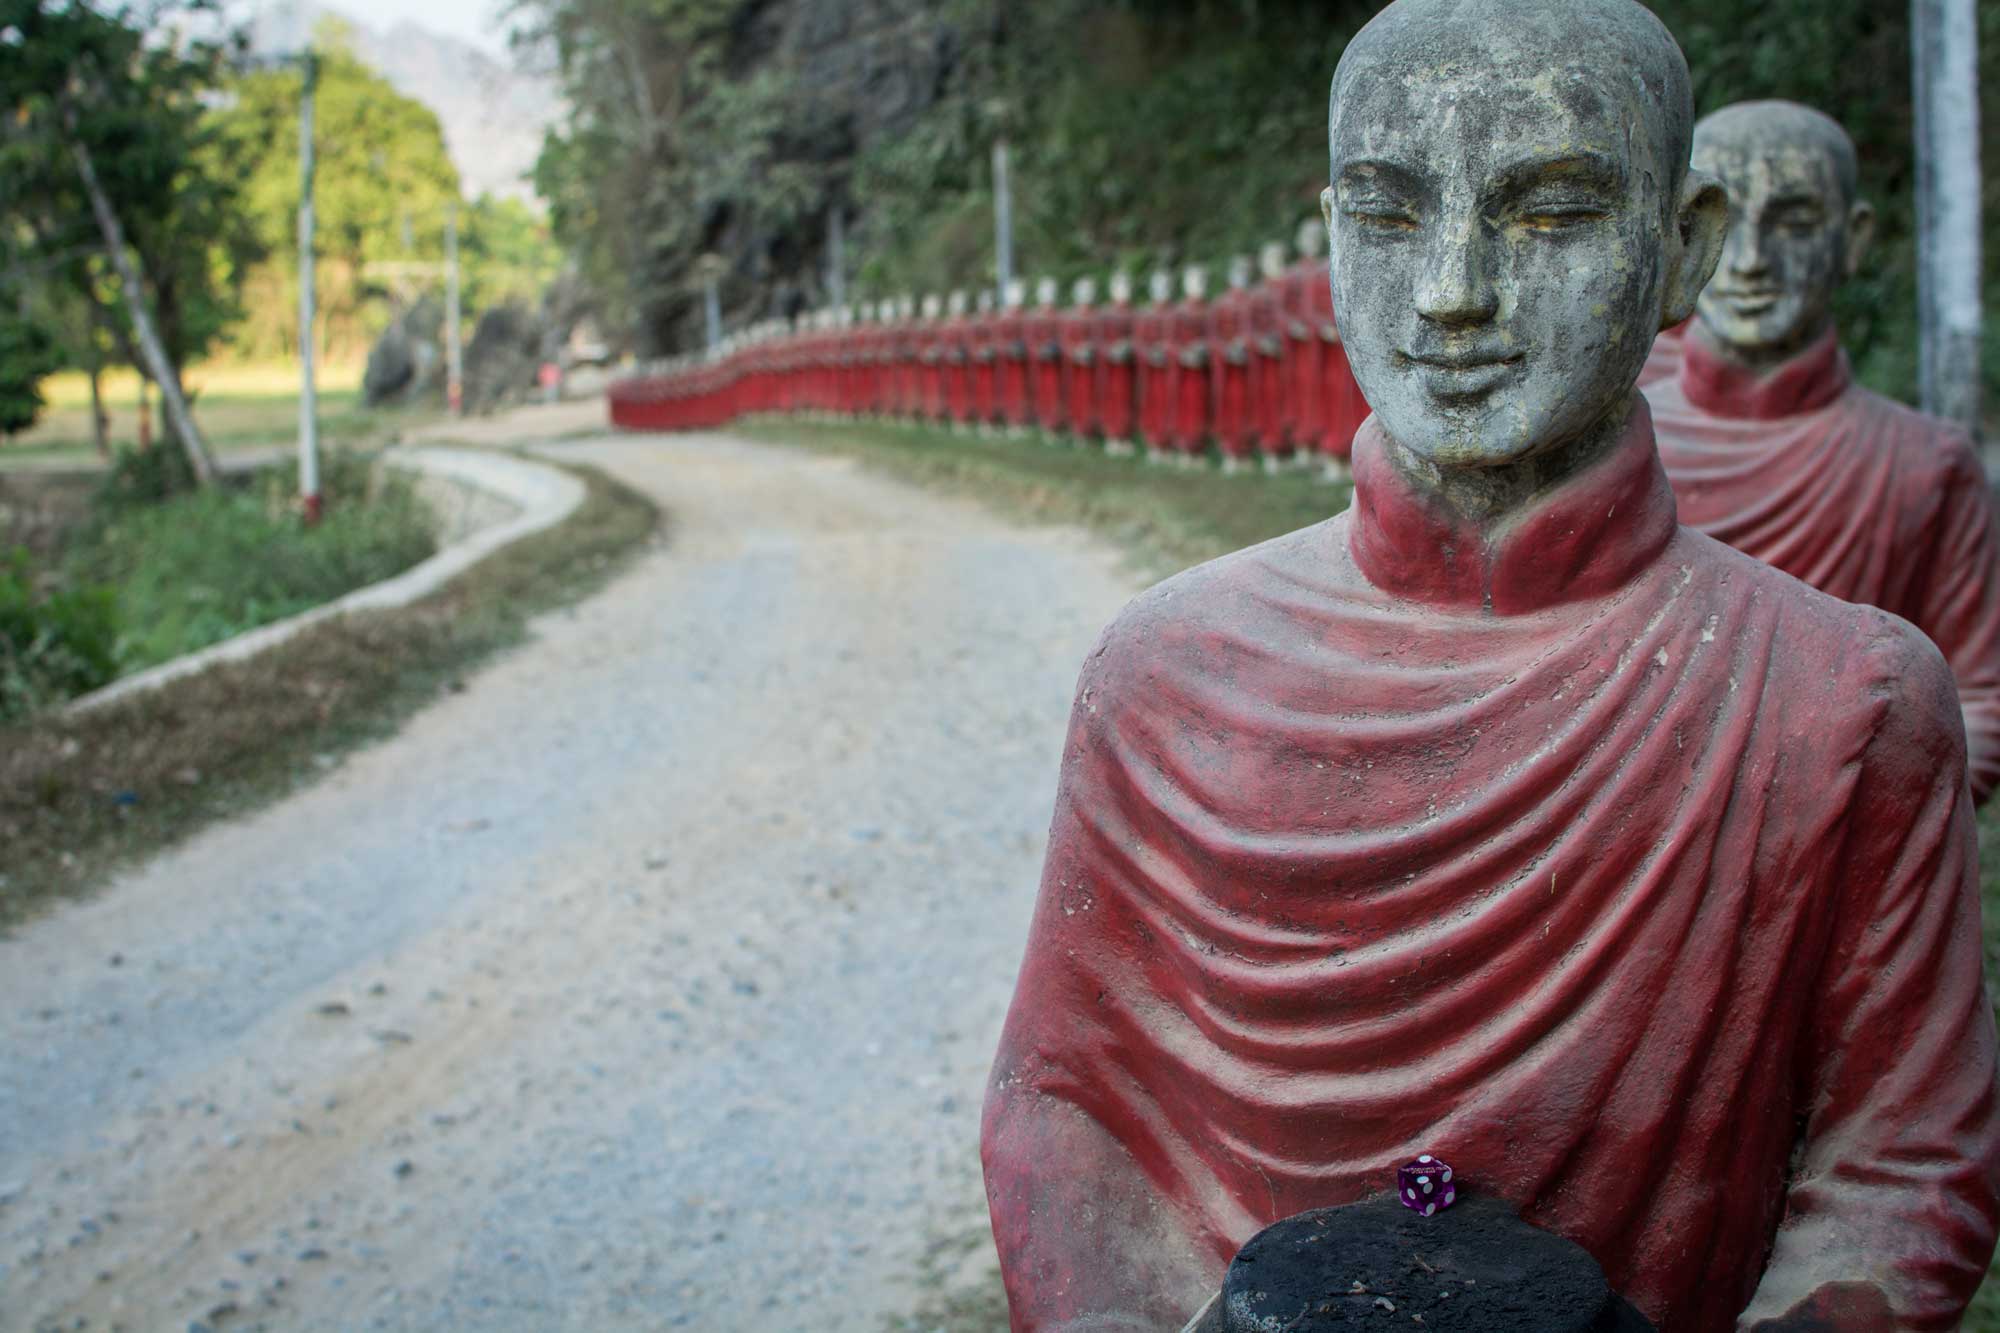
(649, 982)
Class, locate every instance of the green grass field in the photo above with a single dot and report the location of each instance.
(237, 407)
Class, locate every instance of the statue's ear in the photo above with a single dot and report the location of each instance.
(1860, 234)
(1693, 246)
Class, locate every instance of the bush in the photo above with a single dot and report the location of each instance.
(144, 477)
(203, 566)
(54, 646)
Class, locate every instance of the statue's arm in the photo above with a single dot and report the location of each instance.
(1088, 1239)
(1961, 611)
(1891, 1212)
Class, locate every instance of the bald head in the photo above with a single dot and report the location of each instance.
(1600, 56)
(1513, 218)
(1798, 227)
(1781, 127)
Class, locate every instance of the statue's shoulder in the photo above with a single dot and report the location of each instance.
(1231, 598)
(1932, 443)
(1845, 660)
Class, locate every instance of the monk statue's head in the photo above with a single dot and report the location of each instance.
(1194, 282)
(1083, 292)
(1512, 219)
(1045, 291)
(1311, 240)
(1121, 287)
(1798, 226)
(1160, 286)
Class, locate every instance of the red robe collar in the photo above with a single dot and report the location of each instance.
(1585, 537)
(1806, 383)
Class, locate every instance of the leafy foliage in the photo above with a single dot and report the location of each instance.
(203, 566)
(383, 187)
(1142, 131)
(133, 89)
(28, 352)
(53, 646)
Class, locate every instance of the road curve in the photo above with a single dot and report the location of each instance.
(649, 982)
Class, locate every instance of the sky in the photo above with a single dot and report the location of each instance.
(479, 22)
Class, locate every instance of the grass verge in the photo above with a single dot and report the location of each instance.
(1164, 517)
(80, 795)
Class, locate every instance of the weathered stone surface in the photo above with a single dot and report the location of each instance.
(1773, 448)
(1500, 817)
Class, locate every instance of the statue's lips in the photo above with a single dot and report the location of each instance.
(1460, 375)
(1746, 300)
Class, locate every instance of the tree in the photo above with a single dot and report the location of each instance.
(104, 140)
(383, 187)
(28, 354)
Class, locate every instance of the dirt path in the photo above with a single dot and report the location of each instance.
(650, 982)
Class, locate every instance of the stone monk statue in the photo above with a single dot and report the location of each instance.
(1773, 448)
(1501, 817)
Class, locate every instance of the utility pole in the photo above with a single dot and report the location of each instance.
(1944, 46)
(310, 501)
(1003, 219)
(454, 357)
(836, 252)
(711, 301)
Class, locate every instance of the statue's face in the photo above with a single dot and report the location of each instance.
(1496, 238)
(1790, 244)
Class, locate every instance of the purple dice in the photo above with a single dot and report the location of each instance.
(1425, 1185)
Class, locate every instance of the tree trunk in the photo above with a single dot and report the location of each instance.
(163, 372)
(99, 424)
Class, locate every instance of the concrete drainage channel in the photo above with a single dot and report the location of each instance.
(484, 501)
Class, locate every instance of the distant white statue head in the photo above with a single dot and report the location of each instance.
(1271, 259)
(1083, 292)
(1311, 238)
(1160, 286)
(932, 306)
(1015, 294)
(1239, 271)
(955, 305)
(986, 301)
(1045, 292)
(1121, 287)
(1194, 282)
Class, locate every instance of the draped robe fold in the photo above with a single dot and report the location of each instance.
(1853, 493)
(1601, 860)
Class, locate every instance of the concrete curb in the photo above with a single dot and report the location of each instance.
(543, 496)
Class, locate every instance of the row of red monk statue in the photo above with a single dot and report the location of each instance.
(1509, 815)
(1259, 371)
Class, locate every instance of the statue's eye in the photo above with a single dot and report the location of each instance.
(1559, 216)
(1380, 215)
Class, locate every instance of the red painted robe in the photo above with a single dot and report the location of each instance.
(1229, 367)
(1153, 348)
(1599, 859)
(1188, 331)
(956, 362)
(1116, 403)
(1342, 407)
(985, 373)
(1663, 361)
(1303, 413)
(1857, 495)
(1011, 345)
(1044, 330)
(1267, 366)
(1077, 332)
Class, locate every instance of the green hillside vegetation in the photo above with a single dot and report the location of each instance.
(1143, 131)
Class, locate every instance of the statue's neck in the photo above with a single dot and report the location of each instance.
(1485, 496)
